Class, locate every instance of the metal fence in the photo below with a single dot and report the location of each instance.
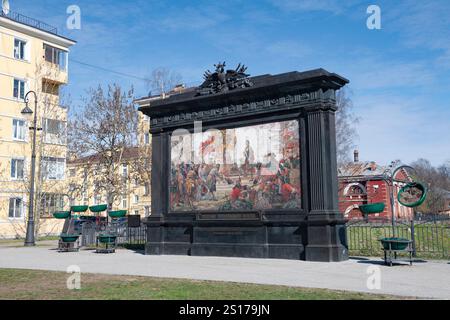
(125, 235)
(430, 238)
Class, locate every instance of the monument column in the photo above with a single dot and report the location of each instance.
(326, 226)
(159, 192)
(160, 173)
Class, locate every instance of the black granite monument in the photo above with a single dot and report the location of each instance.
(274, 195)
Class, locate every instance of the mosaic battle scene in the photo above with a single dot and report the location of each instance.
(247, 168)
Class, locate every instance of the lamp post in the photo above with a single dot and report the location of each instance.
(29, 238)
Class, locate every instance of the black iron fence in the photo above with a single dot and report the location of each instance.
(430, 238)
(125, 235)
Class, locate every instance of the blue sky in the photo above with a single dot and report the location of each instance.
(399, 75)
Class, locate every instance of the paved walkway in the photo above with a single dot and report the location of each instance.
(423, 279)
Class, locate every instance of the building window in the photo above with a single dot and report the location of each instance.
(124, 202)
(146, 189)
(19, 89)
(56, 56)
(124, 170)
(136, 198)
(18, 129)
(147, 210)
(15, 208)
(136, 212)
(17, 166)
(146, 138)
(19, 49)
(50, 203)
(355, 190)
(55, 131)
(53, 168)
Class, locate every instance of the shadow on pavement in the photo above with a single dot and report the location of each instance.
(381, 262)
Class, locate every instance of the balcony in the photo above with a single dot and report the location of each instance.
(20, 18)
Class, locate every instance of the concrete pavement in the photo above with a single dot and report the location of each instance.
(423, 279)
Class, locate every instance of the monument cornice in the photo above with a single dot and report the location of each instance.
(268, 93)
(310, 101)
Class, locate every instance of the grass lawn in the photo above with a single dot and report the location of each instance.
(17, 243)
(34, 284)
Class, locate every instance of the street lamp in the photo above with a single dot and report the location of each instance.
(29, 238)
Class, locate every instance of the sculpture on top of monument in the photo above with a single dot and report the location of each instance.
(221, 81)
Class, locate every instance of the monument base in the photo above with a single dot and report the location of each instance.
(268, 237)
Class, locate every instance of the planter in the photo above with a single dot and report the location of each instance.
(107, 238)
(372, 208)
(412, 195)
(61, 214)
(98, 208)
(78, 208)
(395, 243)
(117, 214)
(69, 238)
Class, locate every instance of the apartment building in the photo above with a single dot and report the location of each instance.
(85, 176)
(33, 57)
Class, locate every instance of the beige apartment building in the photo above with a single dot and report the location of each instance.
(33, 56)
(87, 188)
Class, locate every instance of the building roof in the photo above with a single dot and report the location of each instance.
(178, 89)
(369, 169)
(34, 27)
(128, 153)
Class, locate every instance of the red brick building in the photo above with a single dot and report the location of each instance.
(363, 183)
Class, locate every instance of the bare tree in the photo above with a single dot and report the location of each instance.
(345, 126)
(103, 132)
(437, 180)
(163, 80)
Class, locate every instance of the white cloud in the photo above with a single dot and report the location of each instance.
(424, 24)
(393, 127)
(192, 19)
(289, 49)
(371, 73)
(334, 6)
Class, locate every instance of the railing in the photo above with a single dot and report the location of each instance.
(430, 238)
(125, 235)
(131, 236)
(29, 21)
